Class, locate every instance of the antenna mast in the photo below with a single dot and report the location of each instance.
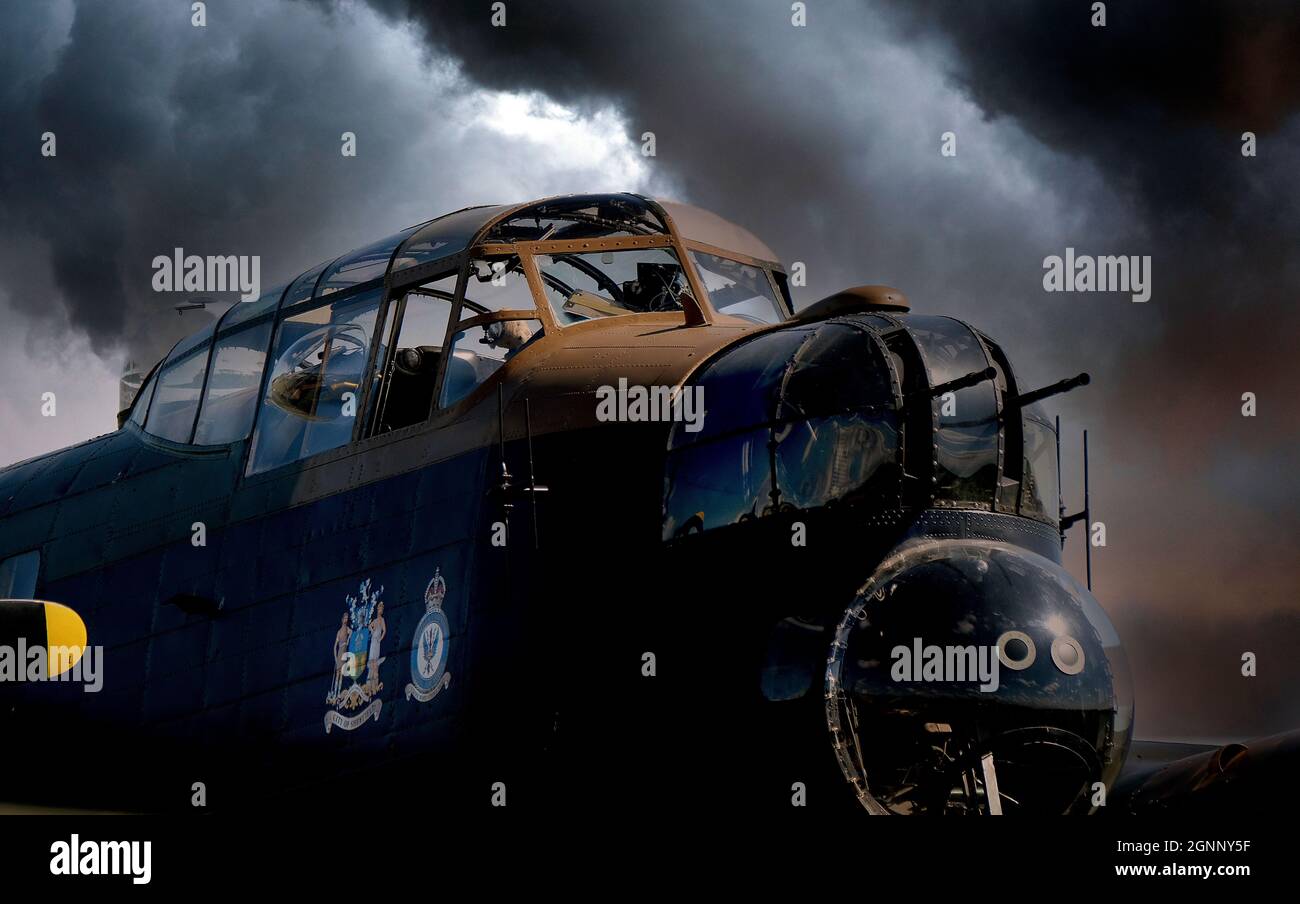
(1068, 521)
(1087, 510)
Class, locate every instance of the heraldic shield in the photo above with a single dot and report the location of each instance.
(354, 690)
(429, 673)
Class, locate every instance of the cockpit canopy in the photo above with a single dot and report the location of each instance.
(381, 337)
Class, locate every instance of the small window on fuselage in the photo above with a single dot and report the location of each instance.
(140, 407)
(475, 352)
(316, 381)
(420, 327)
(738, 290)
(230, 398)
(479, 351)
(176, 396)
(18, 575)
(609, 283)
(1039, 485)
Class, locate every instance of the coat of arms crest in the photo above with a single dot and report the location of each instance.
(354, 691)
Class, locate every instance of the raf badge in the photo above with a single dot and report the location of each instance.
(354, 693)
(429, 649)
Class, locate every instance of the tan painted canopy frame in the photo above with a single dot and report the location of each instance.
(695, 305)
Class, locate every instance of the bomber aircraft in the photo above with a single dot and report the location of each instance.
(564, 502)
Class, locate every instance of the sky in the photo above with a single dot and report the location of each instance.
(824, 139)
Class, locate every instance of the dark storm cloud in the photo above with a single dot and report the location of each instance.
(1155, 96)
(1158, 99)
(736, 97)
(221, 140)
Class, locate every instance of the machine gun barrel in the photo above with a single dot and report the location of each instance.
(1056, 388)
(973, 378)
